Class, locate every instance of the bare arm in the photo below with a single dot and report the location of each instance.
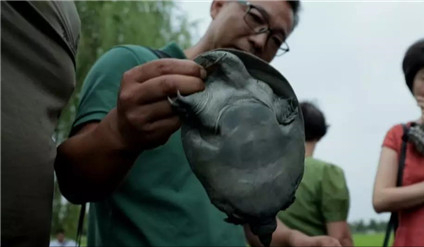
(280, 237)
(340, 231)
(284, 236)
(387, 197)
(92, 163)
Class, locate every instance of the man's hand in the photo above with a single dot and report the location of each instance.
(284, 236)
(314, 241)
(100, 154)
(144, 117)
(299, 239)
(340, 231)
(420, 102)
(324, 241)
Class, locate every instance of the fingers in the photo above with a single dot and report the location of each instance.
(160, 131)
(171, 66)
(153, 112)
(161, 87)
(149, 126)
(328, 241)
(145, 117)
(324, 241)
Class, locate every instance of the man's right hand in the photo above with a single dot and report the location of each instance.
(144, 116)
(100, 154)
(303, 240)
(324, 241)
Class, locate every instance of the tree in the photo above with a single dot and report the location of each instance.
(373, 225)
(104, 25)
(359, 226)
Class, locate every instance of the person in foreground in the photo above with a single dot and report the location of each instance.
(408, 198)
(322, 199)
(39, 41)
(125, 154)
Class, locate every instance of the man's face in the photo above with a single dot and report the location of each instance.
(230, 29)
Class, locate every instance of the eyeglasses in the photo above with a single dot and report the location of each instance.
(256, 20)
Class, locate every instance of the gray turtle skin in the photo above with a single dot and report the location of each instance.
(244, 142)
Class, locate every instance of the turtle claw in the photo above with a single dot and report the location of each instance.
(172, 102)
(179, 96)
(180, 105)
(178, 101)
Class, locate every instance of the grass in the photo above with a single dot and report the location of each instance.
(360, 239)
(375, 239)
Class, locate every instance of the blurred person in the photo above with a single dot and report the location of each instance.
(61, 241)
(126, 151)
(408, 198)
(322, 199)
(38, 47)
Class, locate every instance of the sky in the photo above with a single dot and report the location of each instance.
(345, 56)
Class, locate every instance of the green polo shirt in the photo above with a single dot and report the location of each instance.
(322, 197)
(161, 202)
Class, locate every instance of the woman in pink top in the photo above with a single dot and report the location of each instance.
(407, 200)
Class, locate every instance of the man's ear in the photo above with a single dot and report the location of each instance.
(216, 6)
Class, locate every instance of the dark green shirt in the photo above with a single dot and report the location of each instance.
(322, 197)
(161, 202)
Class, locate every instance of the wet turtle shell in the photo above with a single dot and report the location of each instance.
(244, 138)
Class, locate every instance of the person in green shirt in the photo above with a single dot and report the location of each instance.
(322, 199)
(125, 154)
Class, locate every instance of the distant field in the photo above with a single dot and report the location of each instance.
(369, 239)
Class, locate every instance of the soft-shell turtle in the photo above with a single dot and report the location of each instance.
(244, 139)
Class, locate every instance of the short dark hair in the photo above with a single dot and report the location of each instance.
(60, 230)
(295, 5)
(413, 61)
(314, 120)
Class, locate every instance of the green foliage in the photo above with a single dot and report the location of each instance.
(373, 226)
(65, 215)
(105, 24)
